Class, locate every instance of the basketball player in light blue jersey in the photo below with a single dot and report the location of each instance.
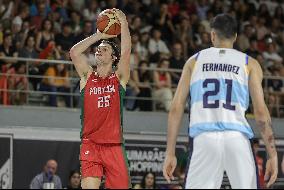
(219, 81)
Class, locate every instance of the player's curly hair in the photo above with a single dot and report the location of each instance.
(115, 51)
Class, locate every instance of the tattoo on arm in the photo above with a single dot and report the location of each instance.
(266, 130)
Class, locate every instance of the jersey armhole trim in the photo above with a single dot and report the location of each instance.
(246, 65)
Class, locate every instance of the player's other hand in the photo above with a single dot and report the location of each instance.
(105, 36)
(169, 167)
(271, 171)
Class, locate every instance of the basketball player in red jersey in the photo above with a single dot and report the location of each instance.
(102, 90)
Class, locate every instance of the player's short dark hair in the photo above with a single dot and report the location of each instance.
(115, 51)
(225, 26)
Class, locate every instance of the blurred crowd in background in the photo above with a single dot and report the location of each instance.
(165, 33)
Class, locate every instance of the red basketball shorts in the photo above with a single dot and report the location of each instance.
(109, 160)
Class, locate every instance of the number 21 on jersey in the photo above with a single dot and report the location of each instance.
(216, 104)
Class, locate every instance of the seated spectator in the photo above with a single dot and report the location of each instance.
(17, 84)
(7, 50)
(76, 22)
(87, 31)
(48, 178)
(148, 182)
(45, 35)
(176, 62)
(272, 56)
(55, 85)
(157, 46)
(28, 51)
(74, 180)
(142, 78)
(143, 51)
(65, 39)
(253, 48)
(163, 83)
(92, 11)
(132, 90)
(243, 40)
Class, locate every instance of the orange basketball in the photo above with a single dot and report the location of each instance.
(108, 23)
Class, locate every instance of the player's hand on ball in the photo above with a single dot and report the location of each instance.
(105, 36)
(271, 171)
(169, 167)
(120, 15)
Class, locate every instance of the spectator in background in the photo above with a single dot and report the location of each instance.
(165, 23)
(48, 178)
(148, 181)
(17, 84)
(7, 50)
(243, 40)
(253, 48)
(23, 14)
(65, 39)
(28, 51)
(163, 83)
(55, 18)
(76, 22)
(157, 46)
(205, 41)
(272, 56)
(136, 24)
(38, 12)
(45, 35)
(261, 29)
(185, 35)
(87, 31)
(57, 81)
(74, 180)
(92, 11)
(177, 61)
(142, 78)
(143, 46)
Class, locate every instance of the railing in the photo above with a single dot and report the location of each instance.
(74, 94)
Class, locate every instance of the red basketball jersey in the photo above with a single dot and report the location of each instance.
(102, 101)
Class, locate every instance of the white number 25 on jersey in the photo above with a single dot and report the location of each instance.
(104, 101)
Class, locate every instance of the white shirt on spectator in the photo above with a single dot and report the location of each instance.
(142, 51)
(272, 56)
(158, 46)
(89, 15)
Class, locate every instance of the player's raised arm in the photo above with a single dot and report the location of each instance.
(77, 53)
(263, 120)
(124, 63)
(175, 118)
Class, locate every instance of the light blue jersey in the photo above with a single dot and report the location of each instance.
(219, 92)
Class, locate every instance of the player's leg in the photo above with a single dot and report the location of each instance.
(239, 161)
(206, 168)
(91, 183)
(116, 167)
(91, 166)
